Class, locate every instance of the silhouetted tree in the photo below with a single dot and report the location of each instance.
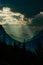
(14, 44)
(24, 53)
(38, 48)
(3, 36)
(19, 44)
(39, 54)
(24, 46)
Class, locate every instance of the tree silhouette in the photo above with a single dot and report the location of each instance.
(19, 44)
(39, 54)
(24, 46)
(38, 50)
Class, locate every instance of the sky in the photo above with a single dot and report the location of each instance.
(28, 7)
(21, 18)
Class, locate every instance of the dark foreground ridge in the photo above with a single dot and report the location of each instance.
(15, 55)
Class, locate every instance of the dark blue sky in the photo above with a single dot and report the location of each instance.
(27, 7)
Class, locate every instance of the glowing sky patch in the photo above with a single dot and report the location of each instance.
(17, 27)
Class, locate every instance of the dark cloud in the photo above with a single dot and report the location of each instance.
(27, 7)
(38, 20)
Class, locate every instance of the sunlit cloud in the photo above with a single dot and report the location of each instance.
(41, 13)
(7, 16)
(10, 17)
(29, 20)
(17, 26)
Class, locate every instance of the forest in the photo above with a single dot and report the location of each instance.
(20, 56)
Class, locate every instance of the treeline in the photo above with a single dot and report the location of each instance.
(20, 56)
